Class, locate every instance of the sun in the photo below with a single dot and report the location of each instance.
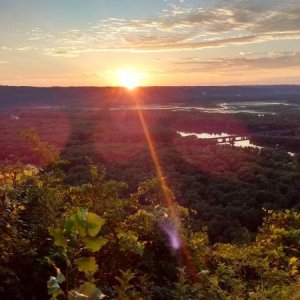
(129, 78)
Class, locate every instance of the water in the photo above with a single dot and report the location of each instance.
(255, 107)
(204, 135)
(245, 144)
(207, 135)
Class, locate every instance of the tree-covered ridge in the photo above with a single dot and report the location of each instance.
(225, 186)
(93, 239)
(90, 219)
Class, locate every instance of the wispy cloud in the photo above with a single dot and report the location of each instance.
(181, 27)
(25, 48)
(272, 60)
(37, 34)
(4, 48)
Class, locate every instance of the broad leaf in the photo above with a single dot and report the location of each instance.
(91, 291)
(54, 287)
(87, 265)
(94, 223)
(77, 222)
(58, 236)
(60, 276)
(94, 244)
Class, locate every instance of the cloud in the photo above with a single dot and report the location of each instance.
(62, 51)
(37, 34)
(2, 62)
(4, 48)
(182, 27)
(25, 48)
(272, 60)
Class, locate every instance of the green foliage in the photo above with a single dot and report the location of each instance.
(86, 291)
(54, 283)
(84, 223)
(80, 234)
(125, 290)
(47, 153)
(59, 238)
(87, 265)
(129, 242)
(125, 234)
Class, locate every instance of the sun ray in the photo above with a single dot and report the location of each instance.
(168, 197)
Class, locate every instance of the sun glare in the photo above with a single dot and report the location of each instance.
(129, 78)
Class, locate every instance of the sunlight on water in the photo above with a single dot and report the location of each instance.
(245, 144)
(206, 135)
(203, 135)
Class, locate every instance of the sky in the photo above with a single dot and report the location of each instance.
(165, 42)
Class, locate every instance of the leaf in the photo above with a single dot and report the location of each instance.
(84, 223)
(69, 223)
(214, 280)
(77, 222)
(91, 291)
(294, 271)
(56, 294)
(293, 261)
(60, 276)
(21, 207)
(94, 244)
(74, 295)
(94, 223)
(53, 284)
(87, 265)
(58, 236)
(54, 287)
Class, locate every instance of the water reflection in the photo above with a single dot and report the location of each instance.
(207, 135)
(246, 143)
(203, 135)
(255, 107)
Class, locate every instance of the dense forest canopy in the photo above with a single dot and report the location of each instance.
(89, 211)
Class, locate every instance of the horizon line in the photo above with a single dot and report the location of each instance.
(152, 86)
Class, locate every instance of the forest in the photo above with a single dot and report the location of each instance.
(115, 204)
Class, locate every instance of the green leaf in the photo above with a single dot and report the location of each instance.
(74, 295)
(69, 223)
(94, 223)
(94, 244)
(54, 287)
(91, 291)
(214, 280)
(58, 236)
(60, 276)
(87, 265)
(77, 222)
(84, 223)
(293, 261)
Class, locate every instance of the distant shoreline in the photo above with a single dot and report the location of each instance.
(155, 86)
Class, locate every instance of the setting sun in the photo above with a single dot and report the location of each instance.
(129, 78)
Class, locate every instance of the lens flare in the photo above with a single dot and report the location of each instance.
(174, 229)
(172, 233)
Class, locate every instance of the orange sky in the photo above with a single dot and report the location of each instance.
(180, 42)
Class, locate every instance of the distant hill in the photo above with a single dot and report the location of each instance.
(76, 97)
